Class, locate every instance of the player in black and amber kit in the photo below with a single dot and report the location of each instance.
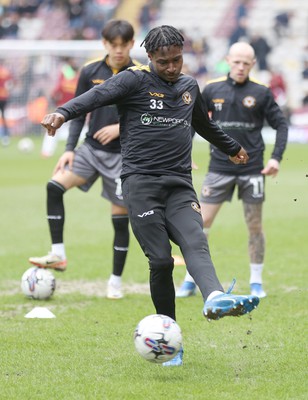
(241, 106)
(157, 106)
(98, 156)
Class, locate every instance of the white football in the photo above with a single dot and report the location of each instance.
(25, 145)
(158, 338)
(38, 283)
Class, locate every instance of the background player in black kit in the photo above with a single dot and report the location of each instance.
(240, 105)
(157, 106)
(99, 155)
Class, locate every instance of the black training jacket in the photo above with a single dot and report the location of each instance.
(94, 73)
(241, 110)
(155, 120)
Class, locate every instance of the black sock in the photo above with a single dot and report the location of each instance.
(120, 243)
(55, 210)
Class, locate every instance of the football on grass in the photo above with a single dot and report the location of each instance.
(38, 283)
(25, 145)
(158, 338)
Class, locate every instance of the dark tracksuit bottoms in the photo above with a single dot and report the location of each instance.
(163, 208)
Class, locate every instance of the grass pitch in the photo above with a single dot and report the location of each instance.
(87, 351)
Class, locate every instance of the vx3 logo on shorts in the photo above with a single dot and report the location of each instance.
(146, 214)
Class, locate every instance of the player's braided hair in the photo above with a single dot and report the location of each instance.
(162, 36)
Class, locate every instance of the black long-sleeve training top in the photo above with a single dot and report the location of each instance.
(241, 110)
(155, 120)
(95, 73)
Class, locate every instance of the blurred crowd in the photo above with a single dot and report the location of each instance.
(54, 19)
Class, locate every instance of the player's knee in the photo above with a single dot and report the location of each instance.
(55, 189)
(255, 227)
(161, 271)
(121, 231)
(161, 264)
(120, 222)
(194, 243)
(255, 234)
(207, 220)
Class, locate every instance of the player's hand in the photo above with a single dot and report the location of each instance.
(240, 158)
(271, 168)
(52, 122)
(67, 158)
(107, 134)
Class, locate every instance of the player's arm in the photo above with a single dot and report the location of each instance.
(279, 123)
(114, 90)
(193, 164)
(108, 133)
(210, 131)
(76, 107)
(77, 124)
(271, 168)
(240, 158)
(67, 158)
(52, 122)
